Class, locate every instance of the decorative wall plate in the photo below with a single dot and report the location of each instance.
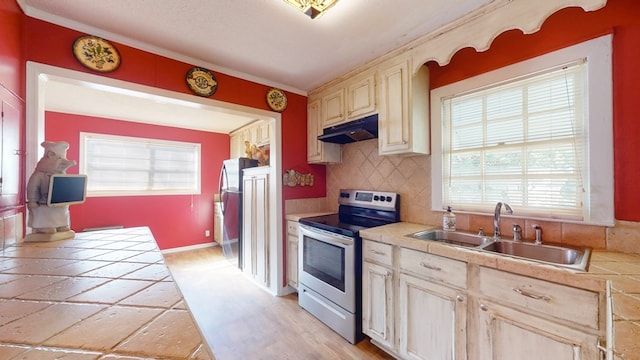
(276, 99)
(201, 81)
(96, 53)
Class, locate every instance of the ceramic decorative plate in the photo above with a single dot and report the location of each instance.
(96, 53)
(276, 99)
(201, 81)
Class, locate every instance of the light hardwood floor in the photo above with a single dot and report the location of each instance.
(239, 320)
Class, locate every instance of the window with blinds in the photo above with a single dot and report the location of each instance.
(521, 142)
(118, 165)
(537, 135)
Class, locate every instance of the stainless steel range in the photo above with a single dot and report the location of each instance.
(330, 258)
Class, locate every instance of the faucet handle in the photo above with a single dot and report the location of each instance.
(538, 229)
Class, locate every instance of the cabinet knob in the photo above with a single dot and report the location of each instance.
(460, 298)
(483, 307)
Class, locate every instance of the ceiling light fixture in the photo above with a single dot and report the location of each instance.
(313, 8)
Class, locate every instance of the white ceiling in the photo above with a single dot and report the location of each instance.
(266, 41)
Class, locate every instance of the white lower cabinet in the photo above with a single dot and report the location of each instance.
(525, 318)
(292, 253)
(506, 333)
(432, 320)
(378, 304)
(432, 306)
(413, 316)
(255, 224)
(418, 305)
(218, 219)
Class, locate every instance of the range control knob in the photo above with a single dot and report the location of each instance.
(389, 198)
(376, 197)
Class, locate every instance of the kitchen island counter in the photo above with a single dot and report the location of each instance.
(101, 295)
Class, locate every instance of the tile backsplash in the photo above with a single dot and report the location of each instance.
(410, 176)
(363, 168)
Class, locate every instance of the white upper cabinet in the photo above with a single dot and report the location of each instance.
(319, 152)
(361, 96)
(333, 108)
(350, 99)
(403, 123)
(257, 133)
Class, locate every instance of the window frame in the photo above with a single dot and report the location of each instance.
(83, 166)
(599, 200)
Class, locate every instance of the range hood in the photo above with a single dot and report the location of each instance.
(356, 130)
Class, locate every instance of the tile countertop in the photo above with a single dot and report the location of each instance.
(102, 295)
(621, 270)
(297, 217)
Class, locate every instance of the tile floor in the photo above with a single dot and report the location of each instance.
(102, 295)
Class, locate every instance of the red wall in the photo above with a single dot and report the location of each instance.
(175, 220)
(567, 27)
(149, 69)
(11, 64)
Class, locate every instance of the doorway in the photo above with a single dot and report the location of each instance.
(44, 82)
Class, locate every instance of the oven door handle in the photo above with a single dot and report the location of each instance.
(326, 236)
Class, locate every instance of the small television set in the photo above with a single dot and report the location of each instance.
(67, 189)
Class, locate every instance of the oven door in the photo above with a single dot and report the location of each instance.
(327, 265)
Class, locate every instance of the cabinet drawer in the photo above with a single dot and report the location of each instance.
(377, 252)
(549, 299)
(449, 271)
(292, 227)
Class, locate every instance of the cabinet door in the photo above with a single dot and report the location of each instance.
(333, 108)
(318, 151)
(255, 227)
(217, 223)
(403, 124)
(433, 321)
(506, 334)
(261, 224)
(292, 260)
(236, 144)
(264, 133)
(361, 97)
(314, 127)
(377, 303)
(248, 229)
(393, 122)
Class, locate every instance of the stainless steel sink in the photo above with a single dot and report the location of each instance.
(569, 257)
(452, 237)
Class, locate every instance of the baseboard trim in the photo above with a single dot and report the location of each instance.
(189, 247)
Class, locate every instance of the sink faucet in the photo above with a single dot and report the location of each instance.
(496, 218)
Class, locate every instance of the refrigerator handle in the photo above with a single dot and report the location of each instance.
(223, 194)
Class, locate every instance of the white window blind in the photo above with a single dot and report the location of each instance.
(537, 134)
(118, 165)
(521, 142)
